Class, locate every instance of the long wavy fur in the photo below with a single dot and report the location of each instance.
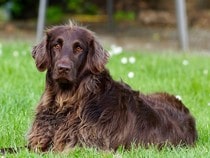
(97, 111)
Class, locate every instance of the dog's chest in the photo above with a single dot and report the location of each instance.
(76, 128)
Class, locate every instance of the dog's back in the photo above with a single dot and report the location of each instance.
(165, 120)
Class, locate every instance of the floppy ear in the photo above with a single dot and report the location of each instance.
(97, 57)
(39, 53)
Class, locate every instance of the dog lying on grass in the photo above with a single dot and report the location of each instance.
(83, 106)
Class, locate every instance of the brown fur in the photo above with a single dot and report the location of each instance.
(82, 105)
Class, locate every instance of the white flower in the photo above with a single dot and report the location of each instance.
(205, 72)
(115, 50)
(124, 60)
(15, 53)
(178, 97)
(185, 62)
(132, 60)
(131, 74)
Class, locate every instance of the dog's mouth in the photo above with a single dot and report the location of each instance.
(62, 80)
(64, 83)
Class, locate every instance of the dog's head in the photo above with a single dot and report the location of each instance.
(68, 51)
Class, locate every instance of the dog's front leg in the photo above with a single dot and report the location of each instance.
(66, 137)
(41, 134)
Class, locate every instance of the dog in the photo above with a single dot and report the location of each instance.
(83, 106)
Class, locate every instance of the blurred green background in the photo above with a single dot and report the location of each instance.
(151, 22)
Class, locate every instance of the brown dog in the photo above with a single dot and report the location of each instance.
(82, 105)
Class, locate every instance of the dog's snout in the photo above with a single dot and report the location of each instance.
(63, 67)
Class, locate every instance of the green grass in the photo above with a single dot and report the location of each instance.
(21, 86)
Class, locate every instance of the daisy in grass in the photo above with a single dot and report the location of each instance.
(178, 97)
(124, 60)
(205, 72)
(15, 53)
(132, 60)
(131, 74)
(185, 62)
(115, 50)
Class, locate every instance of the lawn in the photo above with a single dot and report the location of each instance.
(186, 75)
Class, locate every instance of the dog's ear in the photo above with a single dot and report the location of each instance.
(40, 55)
(97, 57)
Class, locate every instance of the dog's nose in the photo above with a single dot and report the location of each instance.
(63, 68)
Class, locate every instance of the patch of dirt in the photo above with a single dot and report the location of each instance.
(130, 36)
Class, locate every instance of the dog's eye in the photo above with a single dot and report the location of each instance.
(57, 46)
(78, 49)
